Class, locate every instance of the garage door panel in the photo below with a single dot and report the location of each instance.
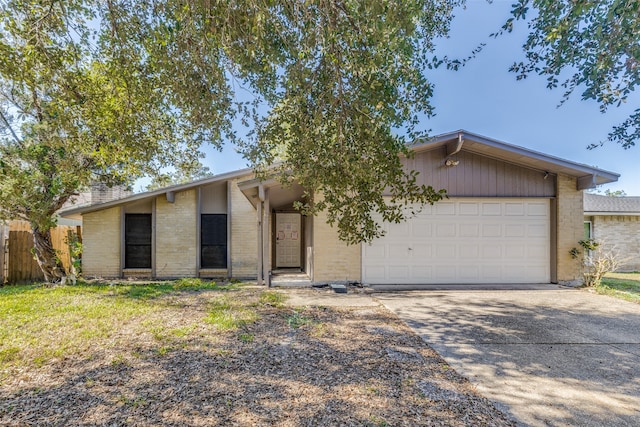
(469, 273)
(491, 251)
(468, 208)
(537, 230)
(537, 209)
(445, 208)
(420, 229)
(445, 230)
(465, 241)
(469, 230)
(514, 209)
(515, 230)
(445, 274)
(491, 230)
(445, 251)
(491, 209)
(421, 251)
(399, 272)
(399, 230)
(422, 271)
(469, 251)
(514, 251)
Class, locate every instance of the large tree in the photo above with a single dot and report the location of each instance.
(80, 101)
(588, 46)
(113, 89)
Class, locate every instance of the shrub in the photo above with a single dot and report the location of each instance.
(599, 259)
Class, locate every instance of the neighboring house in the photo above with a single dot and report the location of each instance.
(512, 217)
(615, 221)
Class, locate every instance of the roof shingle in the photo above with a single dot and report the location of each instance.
(610, 204)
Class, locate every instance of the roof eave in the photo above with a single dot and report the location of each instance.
(73, 212)
(589, 176)
(610, 213)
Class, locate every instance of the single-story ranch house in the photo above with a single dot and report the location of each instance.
(615, 221)
(512, 217)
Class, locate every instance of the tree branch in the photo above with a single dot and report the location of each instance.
(13, 133)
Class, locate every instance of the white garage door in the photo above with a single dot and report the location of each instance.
(464, 241)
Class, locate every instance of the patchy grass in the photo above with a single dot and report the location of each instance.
(297, 319)
(625, 286)
(40, 324)
(272, 298)
(196, 353)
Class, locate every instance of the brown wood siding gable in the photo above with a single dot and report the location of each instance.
(480, 176)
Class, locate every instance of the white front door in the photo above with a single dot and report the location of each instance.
(288, 238)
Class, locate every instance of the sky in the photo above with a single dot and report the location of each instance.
(484, 98)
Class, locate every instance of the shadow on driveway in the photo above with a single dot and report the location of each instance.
(548, 357)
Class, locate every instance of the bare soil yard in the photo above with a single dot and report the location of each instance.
(239, 357)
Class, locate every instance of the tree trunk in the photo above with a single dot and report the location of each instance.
(46, 256)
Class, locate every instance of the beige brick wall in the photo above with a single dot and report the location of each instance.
(244, 234)
(333, 259)
(570, 226)
(176, 242)
(623, 234)
(101, 243)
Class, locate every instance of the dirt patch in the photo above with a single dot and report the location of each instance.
(308, 366)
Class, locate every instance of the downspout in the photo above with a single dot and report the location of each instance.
(458, 146)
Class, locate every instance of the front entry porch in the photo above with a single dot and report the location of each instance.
(285, 246)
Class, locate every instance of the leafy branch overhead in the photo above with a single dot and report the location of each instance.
(116, 89)
(595, 43)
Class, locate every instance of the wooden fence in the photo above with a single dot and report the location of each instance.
(17, 263)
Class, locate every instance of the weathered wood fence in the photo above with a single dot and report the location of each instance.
(17, 263)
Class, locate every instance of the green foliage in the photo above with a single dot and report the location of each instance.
(597, 42)
(38, 324)
(297, 319)
(113, 90)
(184, 173)
(346, 97)
(589, 244)
(75, 252)
(625, 286)
(226, 313)
(275, 299)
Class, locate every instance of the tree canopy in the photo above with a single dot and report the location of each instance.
(595, 43)
(114, 89)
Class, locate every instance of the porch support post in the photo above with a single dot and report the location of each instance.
(266, 232)
(259, 216)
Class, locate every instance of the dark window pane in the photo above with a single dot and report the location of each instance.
(213, 241)
(137, 240)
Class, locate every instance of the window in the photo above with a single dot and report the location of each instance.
(137, 241)
(213, 241)
(587, 230)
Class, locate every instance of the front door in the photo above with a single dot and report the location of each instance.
(288, 238)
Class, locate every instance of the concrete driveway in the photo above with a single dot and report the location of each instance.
(547, 357)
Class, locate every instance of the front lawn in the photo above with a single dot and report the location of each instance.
(621, 285)
(196, 353)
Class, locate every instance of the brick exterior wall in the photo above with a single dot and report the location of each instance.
(623, 233)
(244, 234)
(101, 243)
(333, 259)
(570, 227)
(176, 242)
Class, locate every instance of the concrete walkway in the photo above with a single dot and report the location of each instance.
(547, 357)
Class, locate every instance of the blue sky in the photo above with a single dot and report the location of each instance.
(484, 98)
